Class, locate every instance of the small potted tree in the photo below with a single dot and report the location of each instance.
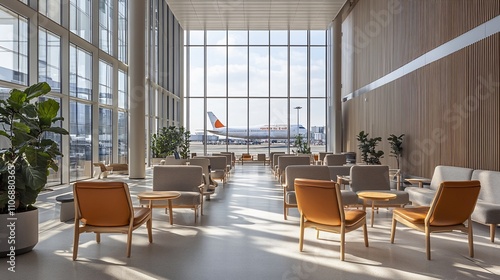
(301, 145)
(396, 143)
(25, 162)
(369, 154)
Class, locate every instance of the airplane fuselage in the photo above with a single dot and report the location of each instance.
(262, 132)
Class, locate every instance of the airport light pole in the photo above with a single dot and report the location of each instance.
(298, 117)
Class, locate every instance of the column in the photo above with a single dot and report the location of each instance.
(137, 88)
(336, 114)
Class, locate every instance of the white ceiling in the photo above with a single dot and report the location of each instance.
(255, 14)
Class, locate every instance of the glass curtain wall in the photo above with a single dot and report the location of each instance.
(74, 91)
(265, 87)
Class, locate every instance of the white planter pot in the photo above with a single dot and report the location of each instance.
(21, 228)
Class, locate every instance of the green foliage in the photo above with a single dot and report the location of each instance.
(301, 145)
(30, 155)
(169, 140)
(396, 146)
(367, 147)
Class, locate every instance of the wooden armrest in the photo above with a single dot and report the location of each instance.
(420, 181)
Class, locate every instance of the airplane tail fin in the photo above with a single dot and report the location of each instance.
(215, 121)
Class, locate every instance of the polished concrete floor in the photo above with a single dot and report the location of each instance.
(243, 236)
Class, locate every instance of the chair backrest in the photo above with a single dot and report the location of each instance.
(177, 178)
(335, 160)
(284, 161)
(338, 170)
(449, 173)
(490, 182)
(453, 203)
(317, 172)
(228, 158)
(369, 177)
(323, 154)
(217, 162)
(101, 166)
(103, 203)
(275, 157)
(261, 157)
(319, 201)
(170, 160)
(204, 163)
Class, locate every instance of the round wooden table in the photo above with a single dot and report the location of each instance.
(160, 195)
(374, 196)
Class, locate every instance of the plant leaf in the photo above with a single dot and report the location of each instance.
(58, 130)
(16, 99)
(47, 110)
(37, 90)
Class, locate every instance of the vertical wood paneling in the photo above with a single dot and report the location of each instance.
(449, 111)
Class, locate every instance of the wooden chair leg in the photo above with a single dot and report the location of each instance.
(365, 234)
(471, 238)
(129, 242)
(98, 237)
(428, 243)
(149, 225)
(393, 229)
(76, 239)
(492, 232)
(301, 237)
(342, 241)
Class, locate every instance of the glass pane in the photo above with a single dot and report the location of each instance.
(13, 47)
(237, 71)
(54, 178)
(237, 37)
(49, 63)
(216, 37)
(279, 37)
(298, 117)
(81, 18)
(80, 144)
(317, 72)
(279, 124)
(122, 30)
(298, 37)
(298, 71)
(317, 37)
(122, 137)
(122, 90)
(196, 37)
(279, 71)
(237, 125)
(196, 120)
(259, 37)
(215, 136)
(216, 71)
(258, 125)
(196, 71)
(105, 82)
(259, 71)
(318, 125)
(50, 9)
(105, 136)
(80, 75)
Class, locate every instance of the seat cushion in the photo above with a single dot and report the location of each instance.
(349, 197)
(415, 215)
(187, 198)
(353, 216)
(140, 214)
(420, 196)
(486, 213)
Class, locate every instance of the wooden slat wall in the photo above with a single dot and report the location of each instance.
(449, 109)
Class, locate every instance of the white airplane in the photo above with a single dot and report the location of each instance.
(256, 132)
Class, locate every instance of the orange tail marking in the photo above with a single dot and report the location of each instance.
(218, 124)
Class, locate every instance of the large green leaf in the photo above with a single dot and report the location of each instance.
(35, 177)
(16, 99)
(29, 110)
(58, 130)
(37, 90)
(47, 110)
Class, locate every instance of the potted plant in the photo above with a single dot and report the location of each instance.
(396, 143)
(26, 162)
(367, 147)
(168, 141)
(301, 145)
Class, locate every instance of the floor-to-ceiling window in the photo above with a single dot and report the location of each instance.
(264, 86)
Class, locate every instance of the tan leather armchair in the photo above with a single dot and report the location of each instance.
(451, 208)
(106, 207)
(320, 206)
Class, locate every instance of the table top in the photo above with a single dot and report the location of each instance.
(417, 180)
(376, 195)
(158, 195)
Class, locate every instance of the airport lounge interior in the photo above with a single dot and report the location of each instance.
(283, 139)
